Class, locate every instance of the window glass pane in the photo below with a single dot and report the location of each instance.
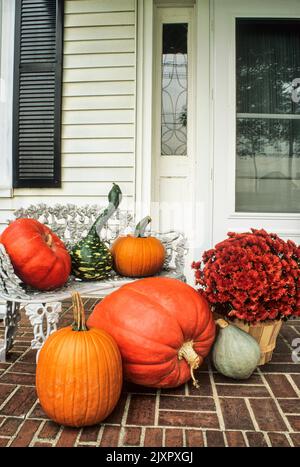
(174, 89)
(268, 115)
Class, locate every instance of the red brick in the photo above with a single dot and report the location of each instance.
(90, 434)
(10, 426)
(38, 413)
(254, 379)
(130, 388)
(296, 439)
(141, 410)
(42, 445)
(281, 358)
(280, 386)
(3, 442)
(117, 414)
(204, 389)
(235, 439)
(194, 438)
(21, 402)
(282, 347)
(281, 368)
(289, 333)
(18, 378)
(236, 415)
(180, 390)
(187, 403)
(132, 436)
(4, 366)
(5, 391)
(256, 440)
(173, 437)
(86, 446)
(26, 433)
(290, 405)
(267, 415)
(215, 439)
(29, 357)
(20, 367)
(242, 391)
(279, 440)
(49, 430)
(294, 422)
(186, 419)
(153, 437)
(110, 436)
(13, 356)
(296, 379)
(68, 437)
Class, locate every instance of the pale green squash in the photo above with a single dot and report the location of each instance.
(235, 353)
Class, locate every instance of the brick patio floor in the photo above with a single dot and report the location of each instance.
(263, 411)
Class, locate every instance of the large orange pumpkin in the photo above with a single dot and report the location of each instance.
(79, 373)
(38, 256)
(163, 329)
(136, 255)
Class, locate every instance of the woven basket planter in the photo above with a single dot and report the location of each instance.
(265, 334)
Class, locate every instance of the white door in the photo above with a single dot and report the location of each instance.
(256, 67)
(173, 154)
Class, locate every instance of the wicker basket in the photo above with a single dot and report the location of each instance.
(265, 334)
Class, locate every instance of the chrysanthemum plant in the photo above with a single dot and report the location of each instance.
(253, 276)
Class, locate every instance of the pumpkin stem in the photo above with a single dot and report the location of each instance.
(222, 323)
(78, 313)
(193, 359)
(141, 226)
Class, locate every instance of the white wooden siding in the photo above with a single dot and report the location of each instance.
(98, 105)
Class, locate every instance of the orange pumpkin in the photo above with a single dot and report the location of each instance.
(79, 373)
(38, 256)
(136, 255)
(163, 327)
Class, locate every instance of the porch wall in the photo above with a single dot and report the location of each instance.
(98, 107)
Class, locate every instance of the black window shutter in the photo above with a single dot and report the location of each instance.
(37, 93)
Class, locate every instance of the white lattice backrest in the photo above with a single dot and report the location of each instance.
(71, 222)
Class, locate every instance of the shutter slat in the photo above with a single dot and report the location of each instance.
(37, 108)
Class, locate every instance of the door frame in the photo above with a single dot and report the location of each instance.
(202, 139)
(224, 138)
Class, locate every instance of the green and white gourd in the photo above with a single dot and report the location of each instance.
(235, 354)
(91, 258)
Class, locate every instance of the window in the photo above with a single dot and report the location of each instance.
(37, 93)
(174, 90)
(268, 115)
(7, 17)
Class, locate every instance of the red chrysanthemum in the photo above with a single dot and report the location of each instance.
(253, 276)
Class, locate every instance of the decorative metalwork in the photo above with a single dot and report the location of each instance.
(174, 90)
(44, 318)
(71, 222)
(11, 325)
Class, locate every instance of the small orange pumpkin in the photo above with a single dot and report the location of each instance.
(136, 255)
(79, 373)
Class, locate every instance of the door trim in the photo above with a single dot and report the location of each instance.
(203, 136)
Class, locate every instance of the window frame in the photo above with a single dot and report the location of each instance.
(7, 32)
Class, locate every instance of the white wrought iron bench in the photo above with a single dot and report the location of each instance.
(71, 222)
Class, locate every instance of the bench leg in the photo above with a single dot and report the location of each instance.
(11, 325)
(44, 318)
